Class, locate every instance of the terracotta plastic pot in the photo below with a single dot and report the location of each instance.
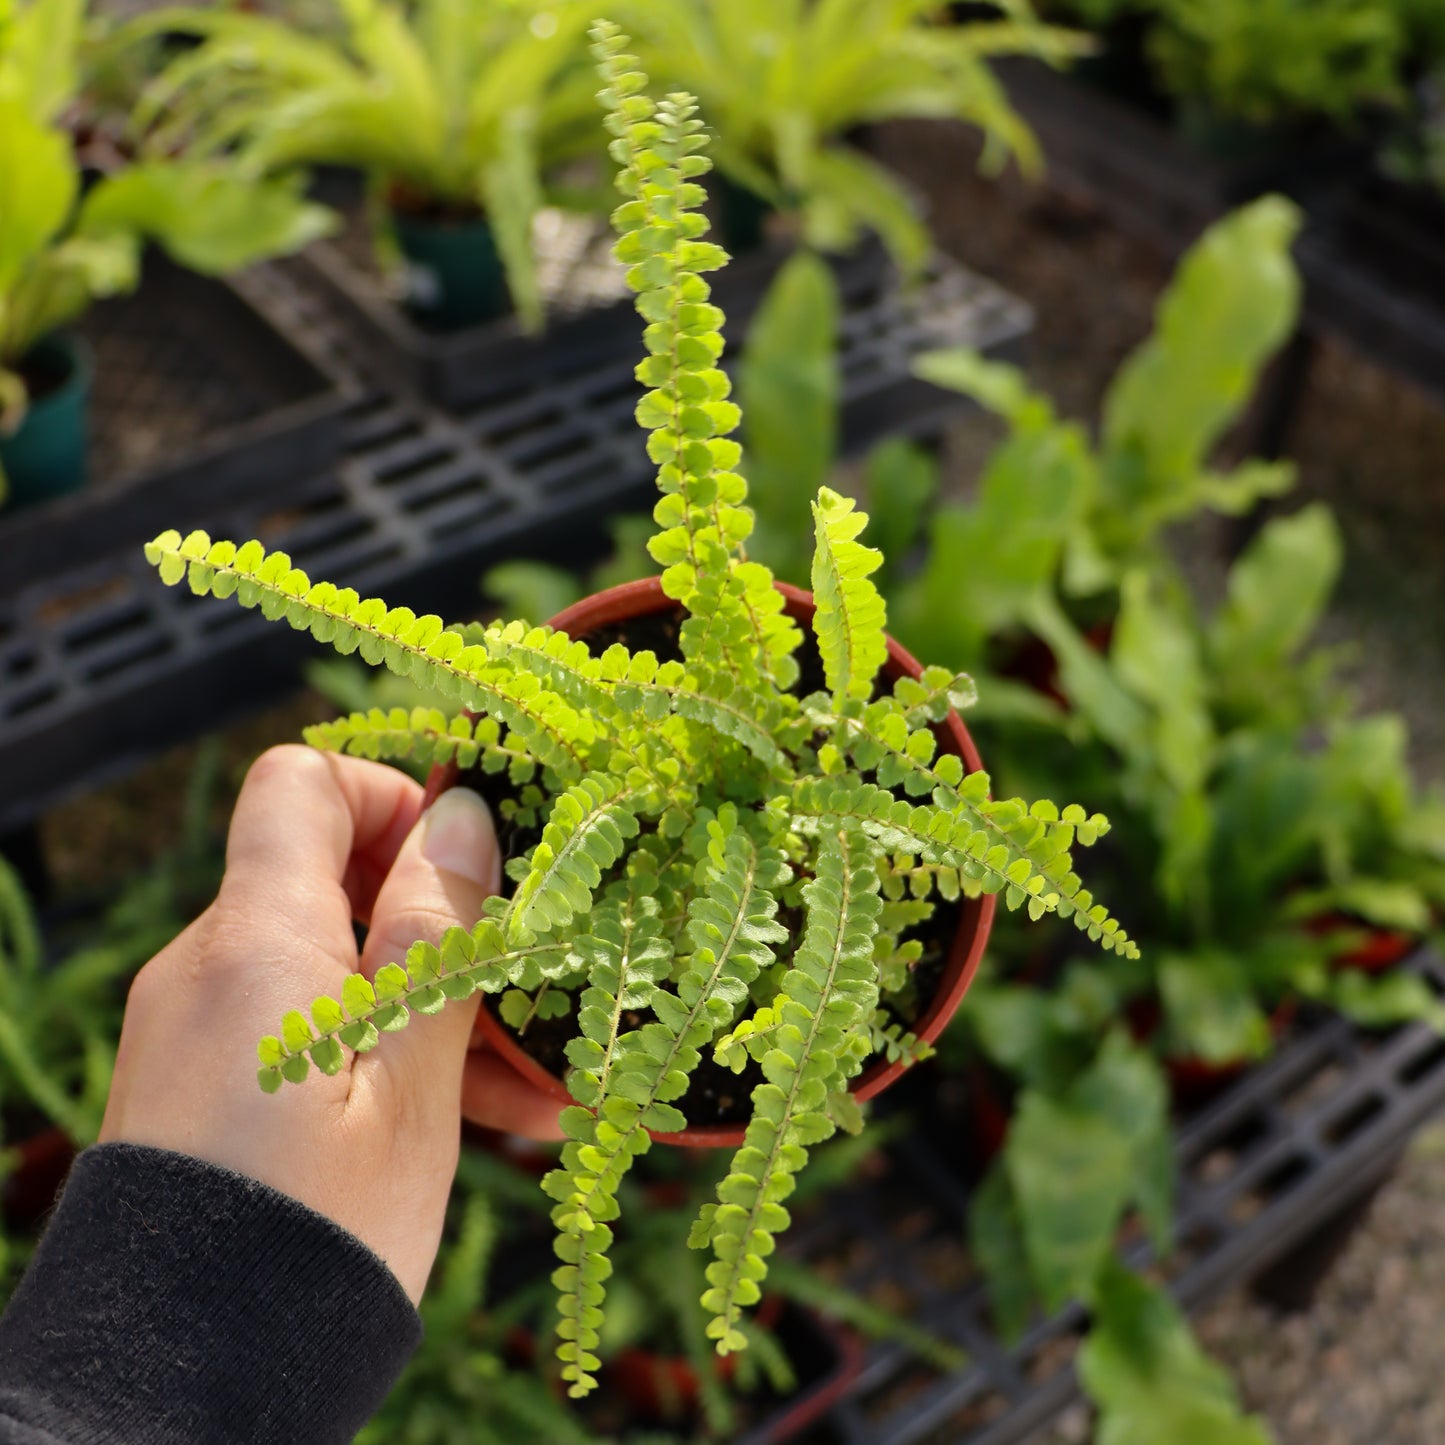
(29, 1190)
(646, 598)
(1194, 1081)
(1378, 950)
(45, 457)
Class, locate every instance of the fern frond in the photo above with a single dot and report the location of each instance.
(897, 1044)
(625, 957)
(463, 963)
(851, 619)
(732, 924)
(420, 648)
(1035, 839)
(930, 698)
(829, 992)
(424, 735)
(990, 862)
(583, 838)
(736, 624)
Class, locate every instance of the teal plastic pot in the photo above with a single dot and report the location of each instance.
(455, 276)
(742, 216)
(45, 458)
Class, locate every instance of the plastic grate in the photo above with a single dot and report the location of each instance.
(103, 666)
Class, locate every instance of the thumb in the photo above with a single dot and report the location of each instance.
(444, 872)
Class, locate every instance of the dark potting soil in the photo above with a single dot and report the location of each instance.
(44, 372)
(418, 205)
(715, 1095)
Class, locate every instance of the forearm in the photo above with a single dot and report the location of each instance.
(178, 1303)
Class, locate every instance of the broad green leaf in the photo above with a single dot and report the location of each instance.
(1383, 1002)
(1149, 1378)
(1072, 1173)
(38, 49)
(996, 1239)
(1125, 1087)
(1277, 593)
(1232, 303)
(788, 385)
(901, 480)
(38, 184)
(208, 218)
(1211, 1007)
(1155, 654)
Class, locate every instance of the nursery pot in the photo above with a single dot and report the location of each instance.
(742, 215)
(1375, 950)
(29, 1190)
(646, 598)
(455, 276)
(45, 457)
(1193, 1081)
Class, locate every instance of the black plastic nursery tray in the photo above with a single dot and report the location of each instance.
(204, 395)
(1375, 267)
(1265, 1171)
(590, 318)
(1377, 276)
(104, 667)
(583, 289)
(1153, 181)
(1148, 179)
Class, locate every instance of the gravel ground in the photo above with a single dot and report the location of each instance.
(1366, 1363)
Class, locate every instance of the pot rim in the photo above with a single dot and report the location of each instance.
(645, 598)
(80, 370)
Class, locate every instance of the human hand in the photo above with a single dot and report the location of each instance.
(316, 841)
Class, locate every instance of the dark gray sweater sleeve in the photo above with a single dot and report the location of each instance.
(172, 1302)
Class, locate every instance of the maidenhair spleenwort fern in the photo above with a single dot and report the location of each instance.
(693, 812)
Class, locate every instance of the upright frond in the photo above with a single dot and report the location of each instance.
(851, 619)
(583, 838)
(736, 624)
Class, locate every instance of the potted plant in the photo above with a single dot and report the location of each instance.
(695, 815)
(64, 243)
(454, 114)
(784, 85)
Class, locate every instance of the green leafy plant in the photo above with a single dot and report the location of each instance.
(1272, 62)
(63, 244)
(1096, 508)
(784, 81)
(443, 104)
(695, 802)
(460, 1387)
(61, 1005)
(1265, 61)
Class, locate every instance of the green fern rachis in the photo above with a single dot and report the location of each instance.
(691, 801)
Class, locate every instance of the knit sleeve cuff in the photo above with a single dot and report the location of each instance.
(174, 1301)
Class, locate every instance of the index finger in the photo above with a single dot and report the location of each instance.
(310, 826)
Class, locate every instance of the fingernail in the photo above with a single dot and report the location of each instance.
(459, 837)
